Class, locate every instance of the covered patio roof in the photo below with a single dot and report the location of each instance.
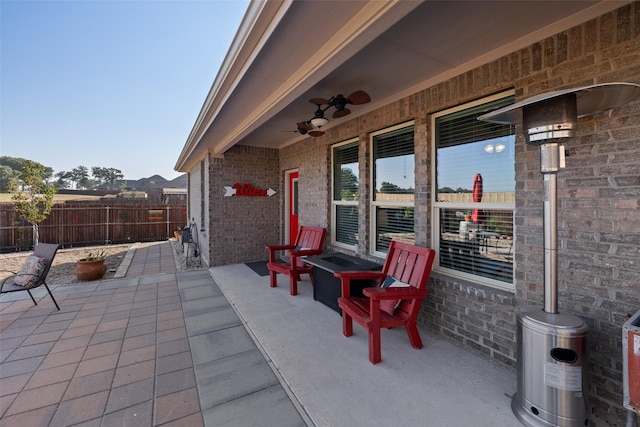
(287, 52)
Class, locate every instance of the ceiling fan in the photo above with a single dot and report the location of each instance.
(339, 102)
(305, 128)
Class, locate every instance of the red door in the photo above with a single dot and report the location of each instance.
(293, 207)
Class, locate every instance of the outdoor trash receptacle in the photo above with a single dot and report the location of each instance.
(631, 362)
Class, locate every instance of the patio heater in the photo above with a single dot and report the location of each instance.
(552, 345)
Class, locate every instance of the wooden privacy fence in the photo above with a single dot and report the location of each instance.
(85, 224)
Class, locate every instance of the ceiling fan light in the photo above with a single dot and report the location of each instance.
(319, 121)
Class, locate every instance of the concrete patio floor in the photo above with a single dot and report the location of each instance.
(219, 347)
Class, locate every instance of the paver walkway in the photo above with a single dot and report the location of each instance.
(118, 353)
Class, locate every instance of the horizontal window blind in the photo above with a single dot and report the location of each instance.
(346, 224)
(463, 127)
(482, 249)
(394, 223)
(395, 143)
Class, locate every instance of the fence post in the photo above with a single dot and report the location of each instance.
(168, 222)
(107, 240)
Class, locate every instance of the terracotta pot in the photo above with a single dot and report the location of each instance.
(90, 270)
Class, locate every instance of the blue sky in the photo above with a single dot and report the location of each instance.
(115, 84)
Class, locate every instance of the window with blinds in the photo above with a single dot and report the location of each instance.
(393, 178)
(345, 194)
(474, 193)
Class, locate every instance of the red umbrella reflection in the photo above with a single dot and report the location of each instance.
(477, 216)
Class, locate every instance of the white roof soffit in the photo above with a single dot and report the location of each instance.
(360, 22)
(286, 52)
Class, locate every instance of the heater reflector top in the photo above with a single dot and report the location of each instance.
(591, 100)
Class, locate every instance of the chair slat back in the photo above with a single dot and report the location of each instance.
(410, 264)
(311, 237)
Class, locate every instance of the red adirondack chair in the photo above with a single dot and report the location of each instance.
(309, 242)
(397, 299)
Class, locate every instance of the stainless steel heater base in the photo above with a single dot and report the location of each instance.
(551, 350)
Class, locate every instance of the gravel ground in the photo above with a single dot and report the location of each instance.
(64, 264)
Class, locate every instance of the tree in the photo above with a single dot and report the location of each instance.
(63, 180)
(106, 175)
(389, 188)
(80, 176)
(349, 185)
(9, 179)
(35, 201)
(17, 163)
(451, 190)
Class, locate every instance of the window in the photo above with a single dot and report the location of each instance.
(393, 178)
(345, 194)
(474, 194)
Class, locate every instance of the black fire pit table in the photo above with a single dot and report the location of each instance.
(326, 287)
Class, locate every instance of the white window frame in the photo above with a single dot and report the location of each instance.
(336, 203)
(435, 205)
(374, 205)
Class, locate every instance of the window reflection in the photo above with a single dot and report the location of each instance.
(481, 249)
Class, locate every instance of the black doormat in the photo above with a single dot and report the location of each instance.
(260, 267)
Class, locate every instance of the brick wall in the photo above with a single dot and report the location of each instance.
(598, 195)
(241, 226)
(598, 206)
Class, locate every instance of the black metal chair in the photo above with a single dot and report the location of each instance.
(47, 251)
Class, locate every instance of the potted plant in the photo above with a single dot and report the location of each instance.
(178, 234)
(92, 266)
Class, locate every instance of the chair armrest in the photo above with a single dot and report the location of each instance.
(274, 248)
(359, 275)
(346, 276)
(305, 252)
(394, 293)
(279, 247)
(14, 275)
(3, 281)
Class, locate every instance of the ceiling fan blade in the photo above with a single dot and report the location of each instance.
(359, 97)
(316, 133)
(319, 101)
(304, 125)
(341, 113)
